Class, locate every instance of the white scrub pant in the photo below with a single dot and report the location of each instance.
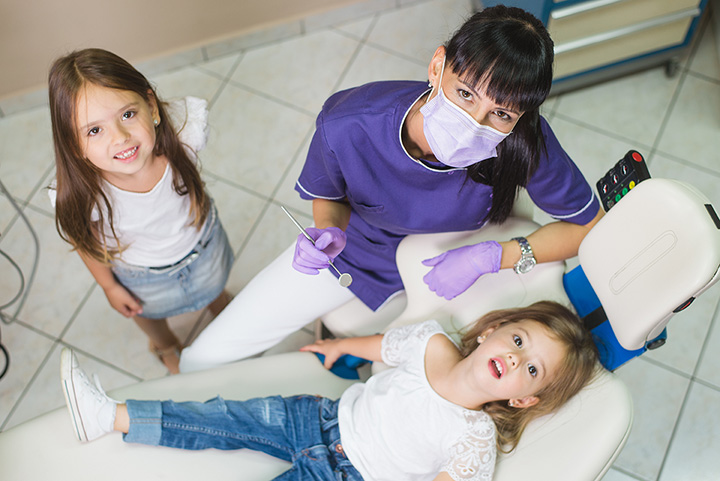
(275, 303)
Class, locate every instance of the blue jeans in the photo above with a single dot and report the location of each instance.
(301, 429)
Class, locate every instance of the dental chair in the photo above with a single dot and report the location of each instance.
(579, 442)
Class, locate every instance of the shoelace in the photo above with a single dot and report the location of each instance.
(97, 391)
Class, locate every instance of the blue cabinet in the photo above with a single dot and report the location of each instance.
(597, 40)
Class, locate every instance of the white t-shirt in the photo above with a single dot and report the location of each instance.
(396, 427)
(155, 227)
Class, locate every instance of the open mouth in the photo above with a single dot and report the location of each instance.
(496, 368)
(126, 155)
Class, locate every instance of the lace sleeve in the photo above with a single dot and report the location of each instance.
(397, 342)
(472, 458)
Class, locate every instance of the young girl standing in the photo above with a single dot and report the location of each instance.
(437, 415)
(129, 197)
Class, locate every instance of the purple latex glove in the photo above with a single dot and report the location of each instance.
(457, 269)
(309, 258)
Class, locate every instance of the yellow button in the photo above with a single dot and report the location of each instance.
(631, 184)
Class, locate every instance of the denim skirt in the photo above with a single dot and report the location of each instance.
(188, 285)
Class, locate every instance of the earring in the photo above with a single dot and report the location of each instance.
(155, 121)
(430, 85)
(511, 403)
(480, 339)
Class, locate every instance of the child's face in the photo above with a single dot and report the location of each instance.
(517, 360)
(116, 131)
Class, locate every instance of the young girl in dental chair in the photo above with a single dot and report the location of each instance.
(436, 415)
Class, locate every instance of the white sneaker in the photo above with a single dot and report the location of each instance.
(91, 410)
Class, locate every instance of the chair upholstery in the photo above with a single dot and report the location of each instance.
(579, 442)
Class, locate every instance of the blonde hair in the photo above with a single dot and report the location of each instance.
(79, 182)
(579, 365)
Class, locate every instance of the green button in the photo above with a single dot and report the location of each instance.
(617, 198)
(624, 191)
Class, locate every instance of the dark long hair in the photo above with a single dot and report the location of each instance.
(509, 53)
(79, 182)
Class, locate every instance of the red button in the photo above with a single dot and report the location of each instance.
(637, 157)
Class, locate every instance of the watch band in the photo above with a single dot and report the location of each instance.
(527, 258)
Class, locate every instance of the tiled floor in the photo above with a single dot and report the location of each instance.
(264, 99)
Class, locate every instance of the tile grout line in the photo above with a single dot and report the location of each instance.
(651, 156)
(226, 80)
(27, 387)
(600, 130)
(300, 148)
(296, 156)
(234, 184)
(693, 381)
(685, 70)
(627, 473)
(308, 135)
(266, 96)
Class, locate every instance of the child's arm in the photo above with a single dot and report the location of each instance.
(368, 347)
(443, 476)
(120, 299)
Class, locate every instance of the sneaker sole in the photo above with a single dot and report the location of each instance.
(66, 370)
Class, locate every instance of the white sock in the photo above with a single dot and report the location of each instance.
(106, 416)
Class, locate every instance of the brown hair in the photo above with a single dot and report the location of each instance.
(579, 366)
(79, 182)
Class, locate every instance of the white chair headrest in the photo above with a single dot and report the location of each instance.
(651, 254)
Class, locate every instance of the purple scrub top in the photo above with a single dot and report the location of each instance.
(357, 154)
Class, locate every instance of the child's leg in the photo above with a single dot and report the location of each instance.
(280, 427)
(122, 419)
(302, 429)
(220, 303)
(163, 342)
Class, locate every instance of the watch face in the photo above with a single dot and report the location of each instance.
(525, 266)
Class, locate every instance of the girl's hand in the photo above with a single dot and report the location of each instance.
(457, 269)
(330, 348)
(123, 301)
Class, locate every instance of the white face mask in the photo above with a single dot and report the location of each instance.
(457, 139)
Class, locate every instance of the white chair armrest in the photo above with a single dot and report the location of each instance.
(579, 442)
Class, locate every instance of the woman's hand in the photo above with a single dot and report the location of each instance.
(309, 258)
(457, 269)
(330, 348)
(123, 301)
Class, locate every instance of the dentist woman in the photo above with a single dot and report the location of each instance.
(394, 158)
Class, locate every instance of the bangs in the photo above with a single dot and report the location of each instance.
(510, 59)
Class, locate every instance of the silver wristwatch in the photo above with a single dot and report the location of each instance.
(527, 259)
